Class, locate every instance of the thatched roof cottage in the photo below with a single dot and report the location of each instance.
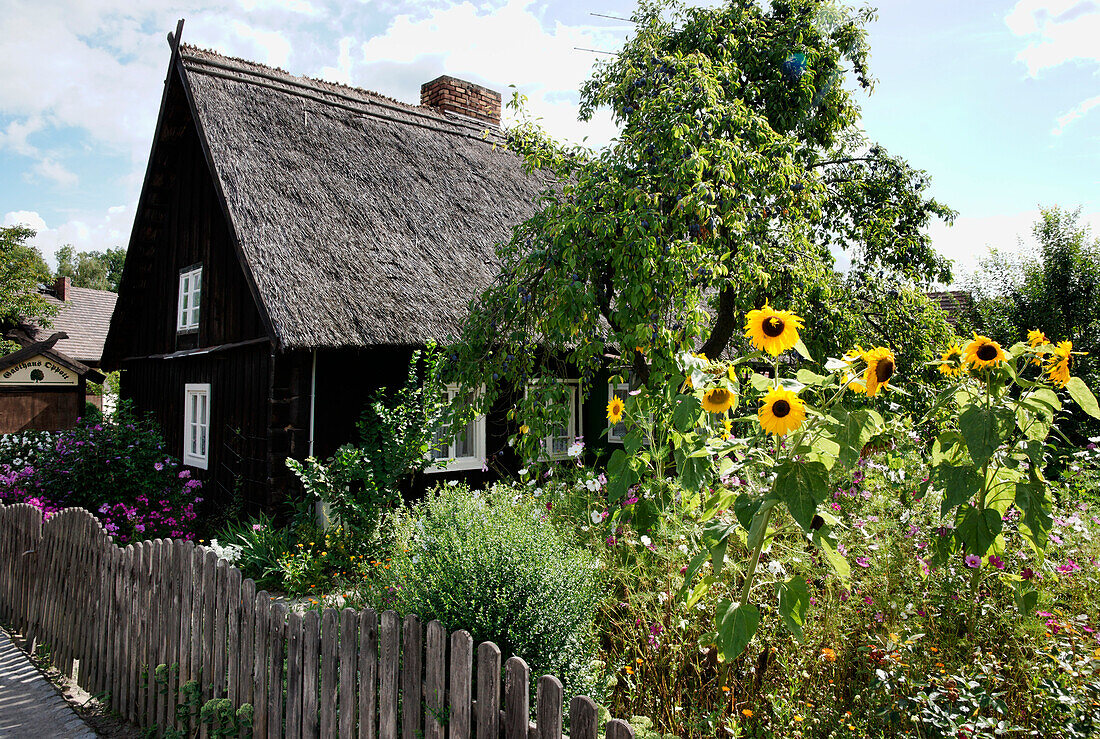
(294, 240)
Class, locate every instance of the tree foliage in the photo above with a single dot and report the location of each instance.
(99, 270)
(1054, 287)
(738, 168)
(22, 270)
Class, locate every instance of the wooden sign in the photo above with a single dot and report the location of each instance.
(38, 370)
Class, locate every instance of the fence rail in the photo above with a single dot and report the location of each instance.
(176, 639)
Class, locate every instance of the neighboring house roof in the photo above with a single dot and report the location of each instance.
(957, 305)
(361, 220)
(84, 317)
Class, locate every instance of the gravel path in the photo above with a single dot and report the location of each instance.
(30, 705)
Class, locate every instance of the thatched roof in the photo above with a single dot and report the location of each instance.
(362, 220)
(957, 305)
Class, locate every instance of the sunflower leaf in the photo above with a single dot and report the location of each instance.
(977, 529)
(794, 600)
(737, 622)
(802, 485)
(984, 428)
(1082, 396)
(801, 349)
(1033, 500)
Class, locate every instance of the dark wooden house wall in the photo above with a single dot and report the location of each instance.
(238, 461)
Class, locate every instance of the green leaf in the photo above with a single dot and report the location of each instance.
(802, 485)
(694, 471)
(801, 349)
(736, 625)
(806, 377)
(716, 538)
(1082, 396)
(1000, 489)
(645, 515)
(761, 383)
(977, 530)
(745, 507)
(824, 541)
(794, 600)
(949, 448)
(632, 442)
(959, 484)
(852, 431)
(686, 416)
(984, 429)
(1034, 501)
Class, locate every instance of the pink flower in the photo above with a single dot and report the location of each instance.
(863, 562)
(996, 561)
(973, 561)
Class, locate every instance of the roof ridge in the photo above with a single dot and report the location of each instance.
(466, 126)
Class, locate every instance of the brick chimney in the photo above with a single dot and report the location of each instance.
(453, 95)
(62, 287)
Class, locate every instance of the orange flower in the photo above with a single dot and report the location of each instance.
(829, 654)
(746, 713)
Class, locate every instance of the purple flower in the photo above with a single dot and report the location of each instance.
(184, 474)
(1069, 567)
(863, 562)
(1027, 573)
(996, 561)
(973, 561)
(158, 466)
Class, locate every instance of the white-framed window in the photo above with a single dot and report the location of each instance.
(464, 450)
(187, 313)
(556, 444)
(616, 432)
(196, 424)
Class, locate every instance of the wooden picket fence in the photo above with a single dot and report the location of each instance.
(109, 616)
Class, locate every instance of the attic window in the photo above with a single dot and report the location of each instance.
(187, 315)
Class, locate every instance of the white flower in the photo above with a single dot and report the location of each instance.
(683, 548)
(776, 568)
(523, 472)
(592, 484)
(576, 449)
(646, 541)
(453, 483)
(596, 517)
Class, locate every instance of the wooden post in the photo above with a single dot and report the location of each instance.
(619, 729)
(462, 667)
(412, 677)
(368, 674)
(294, 675)
(435, 680)
(349, 653)
(388, 676)
(329, 664)
(517, 701)
(275, 649)
(186, 577)
(248, 640)
(221, 623)
(311, 654)
(233, 631)
(583, 718)
(488, 690)
(548, 706)
(259, 664)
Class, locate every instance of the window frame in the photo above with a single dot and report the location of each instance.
(202, 389)
(575, 428)
(187, 319)
(476, 461)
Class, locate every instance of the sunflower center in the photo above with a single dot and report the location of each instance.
(773, 326)
(781, 408)
(719, 396)
(987, 352)
(885, 370)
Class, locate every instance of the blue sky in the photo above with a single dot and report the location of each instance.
(998, 100)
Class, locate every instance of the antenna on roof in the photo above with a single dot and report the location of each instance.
(174, 38)
(612, 17)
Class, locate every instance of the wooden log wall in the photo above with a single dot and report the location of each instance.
(177, 639)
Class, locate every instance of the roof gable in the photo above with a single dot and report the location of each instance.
(361, 220)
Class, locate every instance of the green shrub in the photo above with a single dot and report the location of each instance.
(261, 546)
(490, 563)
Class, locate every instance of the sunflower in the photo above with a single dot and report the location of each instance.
(983, 352)
(1058, 365)
(727, 428)
(615, 408)
(880, 368)
(781, 412)
(1035, 337)
(717, 400)
(853, 355)
(855, 384)
(952, 361)
(774, 331)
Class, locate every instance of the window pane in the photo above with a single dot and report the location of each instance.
(202, 409)
(559, 445)
(440, 442)
(464, 444)
(202, 441)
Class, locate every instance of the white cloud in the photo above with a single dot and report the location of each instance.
(294, 6)
(342, 71)
(268, 47)
(15, 136)
(97, 231)
(1057, 31)
(1079, 111)
(496, 47)
(50, 169)
(971, 238)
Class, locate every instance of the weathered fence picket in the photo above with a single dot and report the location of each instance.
(161, 627)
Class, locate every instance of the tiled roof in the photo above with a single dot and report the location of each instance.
(85, 317)
(956, 304)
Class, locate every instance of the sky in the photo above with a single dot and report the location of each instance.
(998, 100)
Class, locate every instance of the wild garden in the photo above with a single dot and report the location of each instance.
(830, 511)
